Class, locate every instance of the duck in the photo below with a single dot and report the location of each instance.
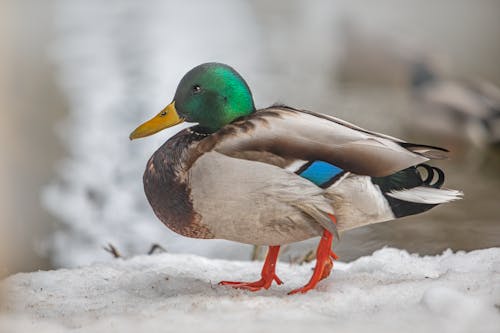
(278, 175)
(469, 109)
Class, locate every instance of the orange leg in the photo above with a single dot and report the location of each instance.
(324, 262)
(268, 274)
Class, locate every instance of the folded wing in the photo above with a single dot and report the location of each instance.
(282, 135)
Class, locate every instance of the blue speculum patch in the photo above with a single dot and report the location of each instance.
(320, 172)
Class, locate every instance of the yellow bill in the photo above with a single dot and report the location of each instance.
(168, 117)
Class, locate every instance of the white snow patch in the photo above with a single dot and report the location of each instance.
(388, 291)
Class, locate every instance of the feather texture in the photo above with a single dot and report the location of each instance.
(426, 195)
(256, 203)
(358, 202)
(294, 134)
(321, 173)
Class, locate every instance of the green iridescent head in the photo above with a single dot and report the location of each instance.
(212, 95)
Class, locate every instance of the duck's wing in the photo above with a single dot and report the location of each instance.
(283, 136)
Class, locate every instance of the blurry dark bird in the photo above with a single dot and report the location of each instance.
(278, 175)
(460, 108)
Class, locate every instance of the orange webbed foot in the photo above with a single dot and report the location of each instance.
(268, 274)
(324, 263)
(264, 282)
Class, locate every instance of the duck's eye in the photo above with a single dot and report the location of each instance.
(196, 89)
(163, 113)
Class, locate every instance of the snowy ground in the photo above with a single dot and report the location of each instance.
(388, 291)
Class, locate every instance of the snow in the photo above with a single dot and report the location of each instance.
(390, 290)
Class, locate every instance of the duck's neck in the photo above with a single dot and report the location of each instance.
(218, 117)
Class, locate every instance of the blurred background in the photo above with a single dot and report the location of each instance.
(77, 76)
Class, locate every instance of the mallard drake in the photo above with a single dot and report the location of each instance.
(464, 108)
(277, 175)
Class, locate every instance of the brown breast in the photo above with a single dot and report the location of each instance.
(167, 189)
